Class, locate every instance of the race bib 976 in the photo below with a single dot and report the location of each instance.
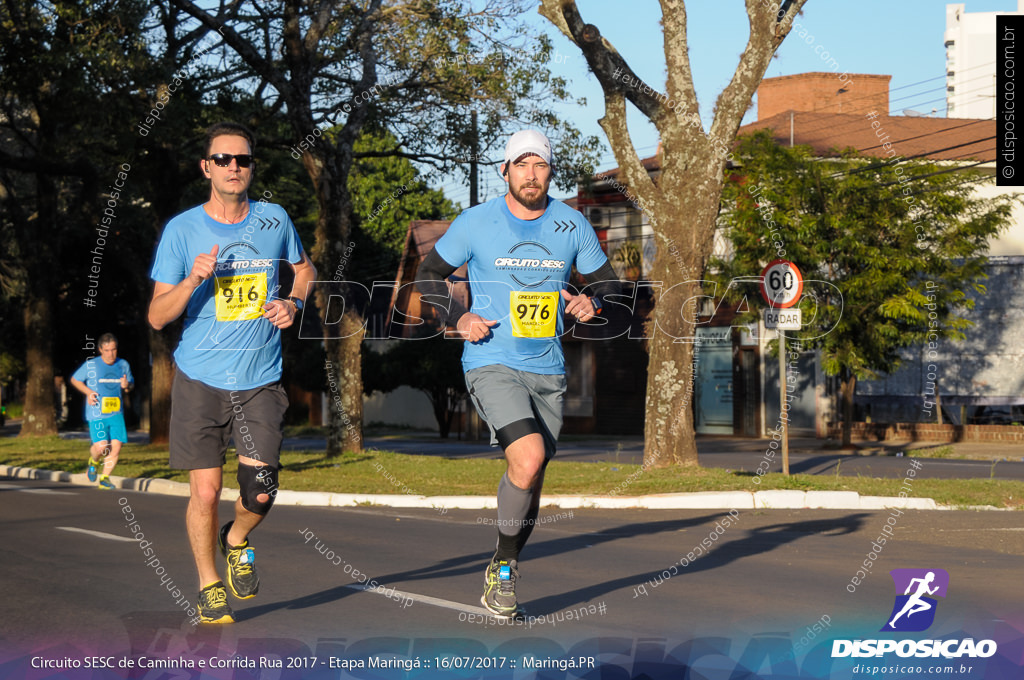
(534, 315)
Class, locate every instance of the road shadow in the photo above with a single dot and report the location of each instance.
(475, 563)
(757, 541)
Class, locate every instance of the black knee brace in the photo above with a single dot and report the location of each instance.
(253, 481)
(520, 428)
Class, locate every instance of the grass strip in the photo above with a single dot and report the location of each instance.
(395, 473)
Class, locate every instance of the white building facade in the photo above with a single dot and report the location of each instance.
(971, 61)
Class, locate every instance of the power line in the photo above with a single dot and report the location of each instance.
(831, 124)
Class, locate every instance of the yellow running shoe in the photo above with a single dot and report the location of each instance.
(242, 577)
(213, 604)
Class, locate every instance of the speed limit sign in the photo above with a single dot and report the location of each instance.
(781, 284)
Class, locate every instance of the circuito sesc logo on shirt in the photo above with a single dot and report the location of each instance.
(529, 264)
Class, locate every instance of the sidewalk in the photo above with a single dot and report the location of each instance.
(707, 500)
(968, 450)
(629, 450)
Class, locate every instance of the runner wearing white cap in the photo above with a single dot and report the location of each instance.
(520, 249)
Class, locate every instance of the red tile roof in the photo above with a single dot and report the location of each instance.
(419, 240)
(946, 139)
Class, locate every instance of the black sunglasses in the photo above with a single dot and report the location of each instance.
(223, 160)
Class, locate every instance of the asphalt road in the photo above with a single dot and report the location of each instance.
(72, 585)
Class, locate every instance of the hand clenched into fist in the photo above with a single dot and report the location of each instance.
(203, 266)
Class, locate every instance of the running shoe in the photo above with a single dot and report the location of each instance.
(242, 577)
(105, 483)
(500, 588)
(213, 604)
(91, 470)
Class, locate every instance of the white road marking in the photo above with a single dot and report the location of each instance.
(425, 599)
(51, 492)
(987, 529)
(98, 534)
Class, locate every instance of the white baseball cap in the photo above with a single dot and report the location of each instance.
(527, 141)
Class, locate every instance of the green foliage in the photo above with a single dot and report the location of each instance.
(67, 81)
(459, 59)
(901, 244)
(11, 367)
(387, 193)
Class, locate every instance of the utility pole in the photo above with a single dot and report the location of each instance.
(474, 159)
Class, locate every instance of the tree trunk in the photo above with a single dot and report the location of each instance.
(669, 428)
(162, 382)
(345, 423)
(40, 405)
(847, 390)
(328, 169)
(40, 410)
(168, 195)
(441, 405)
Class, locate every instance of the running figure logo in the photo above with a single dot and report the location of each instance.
(914, 611)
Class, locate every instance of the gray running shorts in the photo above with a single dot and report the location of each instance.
(204, 419)
(505, 396)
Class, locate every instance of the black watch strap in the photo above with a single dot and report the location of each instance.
(297, 302)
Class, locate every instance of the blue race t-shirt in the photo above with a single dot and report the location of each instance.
(225, 335)
(516, 270)
(105, 380)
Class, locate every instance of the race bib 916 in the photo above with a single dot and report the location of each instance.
(241, 297)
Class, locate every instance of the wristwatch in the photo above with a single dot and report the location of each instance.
(297, 302)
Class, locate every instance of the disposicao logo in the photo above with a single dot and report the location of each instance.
(914, 611)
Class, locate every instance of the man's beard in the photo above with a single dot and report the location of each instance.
(539, 202)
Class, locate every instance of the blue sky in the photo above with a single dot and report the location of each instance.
(901, 38)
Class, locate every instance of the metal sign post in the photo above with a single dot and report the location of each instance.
(781, 287)
(783, 422)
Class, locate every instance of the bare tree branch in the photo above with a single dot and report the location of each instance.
(679, 83)
(602, 57)
(263, 67)
(633, 171)
(766, 34)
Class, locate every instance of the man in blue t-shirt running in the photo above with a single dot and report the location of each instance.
(103, 382)
(520, 250)
(218, 264)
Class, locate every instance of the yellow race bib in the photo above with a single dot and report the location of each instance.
(534, 315)
(110, 404)
(241, 297)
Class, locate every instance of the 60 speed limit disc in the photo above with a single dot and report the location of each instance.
(782, 284)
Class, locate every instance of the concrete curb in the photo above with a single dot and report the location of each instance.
(705, 500)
